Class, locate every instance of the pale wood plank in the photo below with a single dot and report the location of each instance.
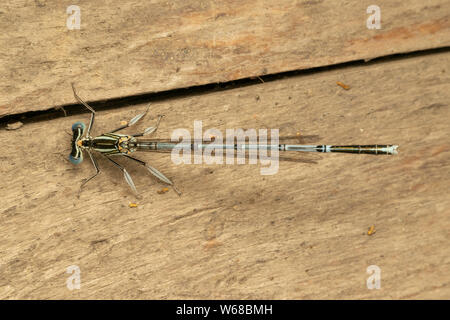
(144, 46)
(301, 233)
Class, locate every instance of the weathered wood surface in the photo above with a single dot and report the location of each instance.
(150, 46)
(301, 233)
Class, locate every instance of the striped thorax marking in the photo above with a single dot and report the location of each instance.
(110, 143)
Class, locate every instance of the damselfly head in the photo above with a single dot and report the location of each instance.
(76, 155)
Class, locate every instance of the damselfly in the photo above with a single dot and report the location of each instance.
(113, 144)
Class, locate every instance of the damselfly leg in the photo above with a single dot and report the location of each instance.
(97, 171)
(149, 130)
(126, 175)
(155, 172)
(91, 123)
(134, 120)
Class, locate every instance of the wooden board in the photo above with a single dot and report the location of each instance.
(233, 234)
(152, 46)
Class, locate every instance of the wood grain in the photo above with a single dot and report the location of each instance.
(233, 234)
(151, 46)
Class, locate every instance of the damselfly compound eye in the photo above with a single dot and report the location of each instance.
(78, 125)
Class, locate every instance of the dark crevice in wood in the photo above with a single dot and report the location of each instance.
(73, 109)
